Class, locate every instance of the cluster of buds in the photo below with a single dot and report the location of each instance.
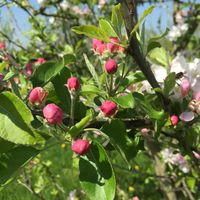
(112, 46)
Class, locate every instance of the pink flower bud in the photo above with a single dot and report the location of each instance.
(184, 87)
(196, 155)
(111, 66)
(145, 131)
(196, 96)
(112, 46)
(135, 198)
(186, 116)
(29, 69)
(37, 95)
(53, 114)
(101, 48)
(108, 108)
(73, 84)
(174, 120)
(80, 146)
(2, 45)
(40, 61)
(96, 43)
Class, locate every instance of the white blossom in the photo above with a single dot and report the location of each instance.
(64, 5)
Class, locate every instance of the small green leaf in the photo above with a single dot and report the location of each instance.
(145, 13)
(147, 107)
(12, 161)
(9, 75)
(159, 56)
(92, 32)
(78, 127)
(45, 72)
(91, 89)
(117, 19)
(126, 101)
(96, 174)
(92, 70)
(107, 27)
(169, 83)
(3, 65)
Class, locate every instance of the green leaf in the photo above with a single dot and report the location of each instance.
(96, 174)
(191, 182)
(158, 37)
(147, 107)
(92, 32)
(78, 127)
(9, 75)
(61, 90)
(91, 89)
(69, 59)
(3, 65)
(13, 160)
(153, 42)
(152, 46)
(145, 13)
(116, 130)
(45, 72)
(169, 83)
(159, 56)
(15, 120)
(107, 27)
(126, 101)
(117, 19)
(92, 70)
(5, 146)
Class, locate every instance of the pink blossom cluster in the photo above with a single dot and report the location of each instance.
(113, 46)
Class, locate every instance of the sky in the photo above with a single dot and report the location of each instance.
(162, 11)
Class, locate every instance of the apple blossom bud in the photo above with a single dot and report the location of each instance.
(144, 131)
(112, 46)
(37, 95)
(108, 108)
(29, 69)
(2, 45)
(73, 84)
(174, 120)
(40, 61)
(111, 66)
(184, 87)
(53, 114)
(135, 198)
(101, 48)
(80, 146)
(96, 43)
(196, 155)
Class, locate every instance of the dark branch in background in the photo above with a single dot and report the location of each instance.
(13, 42)
(193, 24)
